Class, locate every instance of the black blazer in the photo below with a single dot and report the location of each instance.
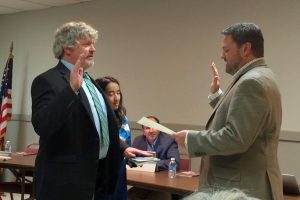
(67, 165)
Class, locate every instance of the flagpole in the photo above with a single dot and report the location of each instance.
(11, 55)
(11, 47)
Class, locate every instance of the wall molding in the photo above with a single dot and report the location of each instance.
(285, 136)
(21, 117)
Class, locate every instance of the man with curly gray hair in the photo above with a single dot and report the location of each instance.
(80, 149)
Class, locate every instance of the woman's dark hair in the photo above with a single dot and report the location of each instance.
(103, 82)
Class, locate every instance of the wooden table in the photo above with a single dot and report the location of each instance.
(155, 181)
(159, 181)
(291, 197)
(19, 161)
(179, 185)
(18, 165)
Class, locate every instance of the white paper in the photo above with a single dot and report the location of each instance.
(147, 122)
(5, 157)
(145, 159)
(5, 153)
(147, 167)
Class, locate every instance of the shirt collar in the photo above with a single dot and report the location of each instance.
(246, 65)
(154, 143)
(67, 64)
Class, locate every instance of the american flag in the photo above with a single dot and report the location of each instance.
(5, 95)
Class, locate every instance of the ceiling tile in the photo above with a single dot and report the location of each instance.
(13, 6)
(21, 5)
(56, 2)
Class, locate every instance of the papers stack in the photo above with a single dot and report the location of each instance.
(139, 161)
(4, 158)
(4, 155)
(146, 164)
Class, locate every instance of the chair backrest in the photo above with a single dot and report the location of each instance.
(290, 185)
(185, 164)
(32, 149)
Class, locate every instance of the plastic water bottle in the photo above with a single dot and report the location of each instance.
(7, 147)
(172, 168)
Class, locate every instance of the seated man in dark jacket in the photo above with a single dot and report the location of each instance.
(161, 143)
(165, 148)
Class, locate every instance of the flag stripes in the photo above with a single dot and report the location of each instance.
(5, 95)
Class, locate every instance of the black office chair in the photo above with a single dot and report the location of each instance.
(15, 187)
(290, 185)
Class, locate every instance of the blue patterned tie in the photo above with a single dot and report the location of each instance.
(101, 115)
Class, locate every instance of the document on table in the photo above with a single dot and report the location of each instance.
(147, 122)
(141, 160)
(188, 174)
(5, 153)
(142, 164)
(4, 158)
(146, 167)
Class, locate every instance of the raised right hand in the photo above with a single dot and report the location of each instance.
(76, 75)
(215, 83)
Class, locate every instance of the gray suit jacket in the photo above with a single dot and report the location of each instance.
(239, 145)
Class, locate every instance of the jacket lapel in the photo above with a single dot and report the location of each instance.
(157, 145)
(234, 81)
(65, 72)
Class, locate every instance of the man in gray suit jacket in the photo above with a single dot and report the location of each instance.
(239, 145)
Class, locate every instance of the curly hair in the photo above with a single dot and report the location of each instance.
(68, 34)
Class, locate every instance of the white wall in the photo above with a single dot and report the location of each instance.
(160, 50)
